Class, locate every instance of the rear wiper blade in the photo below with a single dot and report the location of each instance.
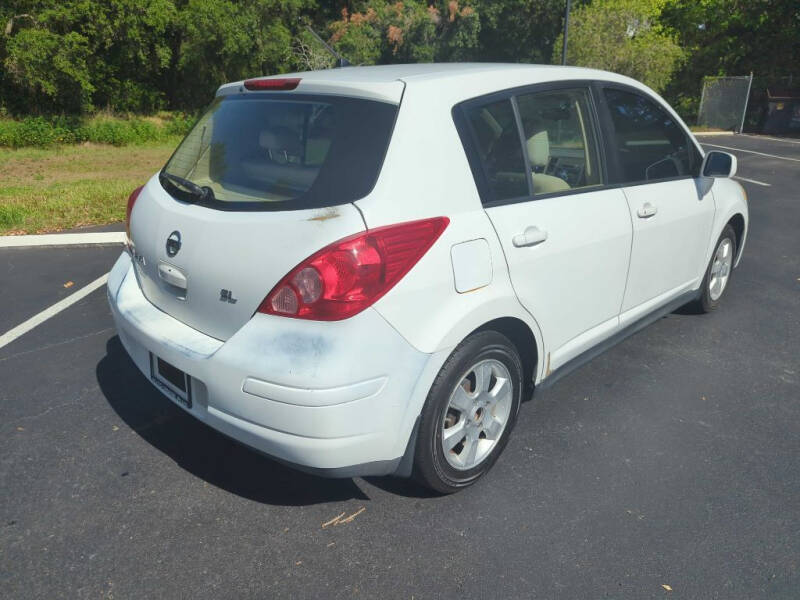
(202, 193)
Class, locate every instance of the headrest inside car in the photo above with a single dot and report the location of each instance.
(539, 149)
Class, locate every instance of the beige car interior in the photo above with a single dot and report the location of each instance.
(539, 156)
(539, 152)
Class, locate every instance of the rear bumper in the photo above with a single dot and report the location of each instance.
(338, 398)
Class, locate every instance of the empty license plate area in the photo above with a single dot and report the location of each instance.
(171, 380)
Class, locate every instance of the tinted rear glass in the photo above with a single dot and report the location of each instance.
(497, 142)
(269, 151)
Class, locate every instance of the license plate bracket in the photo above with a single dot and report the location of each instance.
(175, 384)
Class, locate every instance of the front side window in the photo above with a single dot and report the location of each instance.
(496, 140)
(649, 143)
(281, 152)
(560, 142)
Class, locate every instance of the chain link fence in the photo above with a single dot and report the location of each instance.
(723, 102)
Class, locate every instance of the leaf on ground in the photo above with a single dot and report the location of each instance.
(333, 521)
(353, 516)
(69, 284)
(338, 520)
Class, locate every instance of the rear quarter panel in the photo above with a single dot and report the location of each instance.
(426, 174)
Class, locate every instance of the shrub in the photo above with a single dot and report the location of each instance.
(102, 129)
(179, 124)
(32, 131)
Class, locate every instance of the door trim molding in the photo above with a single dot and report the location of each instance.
(616, 338)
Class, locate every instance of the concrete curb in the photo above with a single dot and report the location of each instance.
(63, 239)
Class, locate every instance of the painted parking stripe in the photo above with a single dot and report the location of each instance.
(774, 139)
(752, 181)
(751, 152)
(63, 239)
(40, 318)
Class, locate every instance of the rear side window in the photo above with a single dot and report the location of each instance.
(560, 141)
(497, 143)
(649, 144)
(268, 151)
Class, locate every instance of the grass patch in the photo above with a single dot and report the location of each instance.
(100, 129)
(705, 129)
(63, 187)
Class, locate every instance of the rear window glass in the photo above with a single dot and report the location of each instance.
(266, 151)
(497, 141)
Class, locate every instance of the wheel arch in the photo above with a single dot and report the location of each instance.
(731, 202)
(738, 224)
(523, 338)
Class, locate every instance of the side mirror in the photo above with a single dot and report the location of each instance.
(718, 164)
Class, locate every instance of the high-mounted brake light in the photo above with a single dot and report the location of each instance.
(283, 84)
(131, 201)
(347, 276)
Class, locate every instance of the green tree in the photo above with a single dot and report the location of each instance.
(75, 54)
(138, 55)
(50, 69)
(383, 32)
(224, 40)
(519, 30)
(623, 36)
(731, 37)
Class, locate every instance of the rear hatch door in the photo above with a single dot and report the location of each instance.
(262, 181)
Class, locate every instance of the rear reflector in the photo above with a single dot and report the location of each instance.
(131, 201)
(346, 277)
(283, 84)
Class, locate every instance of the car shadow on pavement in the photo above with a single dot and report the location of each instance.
(203, 451)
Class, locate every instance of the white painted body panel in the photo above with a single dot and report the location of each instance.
(573, 281)
(244, 252)
(333, 395)
(472, 265)
(666, 245)
(730, 200)
(326, 397)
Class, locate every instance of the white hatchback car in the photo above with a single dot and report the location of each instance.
(363, 271)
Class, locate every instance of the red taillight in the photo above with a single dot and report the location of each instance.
(283, 84)
(131, 201)
(346, 277)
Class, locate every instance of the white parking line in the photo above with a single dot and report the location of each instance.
(751, 152)
(40, 318)
(63, 239)
(775, 139)
(752, 181)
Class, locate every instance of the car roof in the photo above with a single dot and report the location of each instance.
(387, 82)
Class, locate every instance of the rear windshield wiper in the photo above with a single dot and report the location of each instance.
(201, 193)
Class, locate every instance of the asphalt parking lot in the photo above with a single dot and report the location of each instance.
(667, 467)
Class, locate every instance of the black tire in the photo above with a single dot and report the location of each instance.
(705, 303)
(431, 467)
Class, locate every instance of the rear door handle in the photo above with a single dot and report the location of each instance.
(530, 237)
(647, 210)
